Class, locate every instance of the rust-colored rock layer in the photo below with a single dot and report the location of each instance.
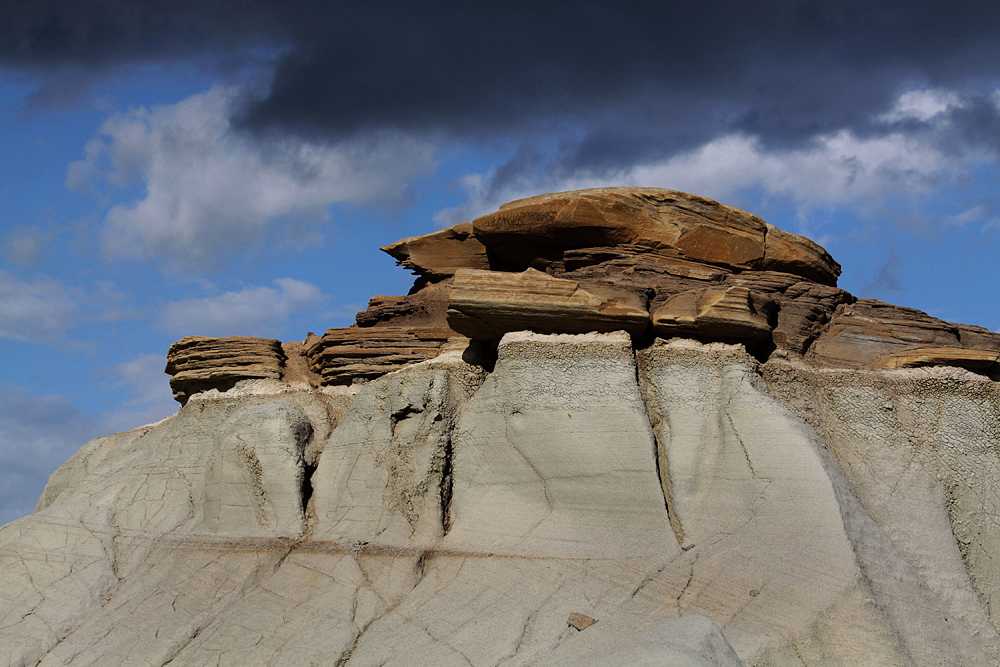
(672, 222)
(652, 262)
(341, 356)
(199, 363)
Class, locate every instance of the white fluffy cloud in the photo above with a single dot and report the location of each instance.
(836, 169)
(36, 311)
(922, 105)
(254, 311)
(205, 190)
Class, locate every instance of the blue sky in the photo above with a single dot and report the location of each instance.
(232, 169)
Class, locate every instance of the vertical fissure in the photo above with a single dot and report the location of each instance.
(657, 423)
(447, 482)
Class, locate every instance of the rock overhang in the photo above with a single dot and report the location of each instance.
(668, 221)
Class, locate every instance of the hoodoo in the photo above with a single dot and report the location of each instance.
(622, 426)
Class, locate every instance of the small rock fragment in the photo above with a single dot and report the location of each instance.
(580, 621)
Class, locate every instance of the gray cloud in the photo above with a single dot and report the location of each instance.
(886, 278)
(677, 71)
(35, 311)
(37, 434)
(582, 90)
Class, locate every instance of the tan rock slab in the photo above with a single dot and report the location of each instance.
(343, 355)
(439, 254)
(485, 305)
(930, 355)
(421, 309)
(791, 253)
(669, 221)
(861, 332)
(715, 312)
(200, 363)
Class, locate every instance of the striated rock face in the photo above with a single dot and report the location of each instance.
(862, 332)
(613, 427)
(729, 312)
(487, 304)
(198, 363)
(699, 507)
(341, 356)
(681, 224)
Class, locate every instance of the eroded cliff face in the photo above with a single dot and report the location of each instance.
(688, 495)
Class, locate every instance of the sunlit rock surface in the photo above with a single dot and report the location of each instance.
(763, 470)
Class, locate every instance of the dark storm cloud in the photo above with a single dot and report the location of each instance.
(639, 78)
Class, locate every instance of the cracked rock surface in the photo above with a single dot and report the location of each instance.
(700, 507)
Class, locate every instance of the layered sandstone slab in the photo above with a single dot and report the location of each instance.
(929, 355)
(484, 305)
(610, 256)
(666, 220)
(862, 333)
(341, 356)
(423, 308)
(439, 254)
(716, 312)
(200, 363)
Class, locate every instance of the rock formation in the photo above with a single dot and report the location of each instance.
(609, 427)
(198, 363)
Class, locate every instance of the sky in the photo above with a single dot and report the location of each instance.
(222, 168)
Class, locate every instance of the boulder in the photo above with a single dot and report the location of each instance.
(485, 305)
(200, 363)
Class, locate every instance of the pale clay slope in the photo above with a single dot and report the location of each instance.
(456, 517)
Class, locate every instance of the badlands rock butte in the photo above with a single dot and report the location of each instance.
(624, 426)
